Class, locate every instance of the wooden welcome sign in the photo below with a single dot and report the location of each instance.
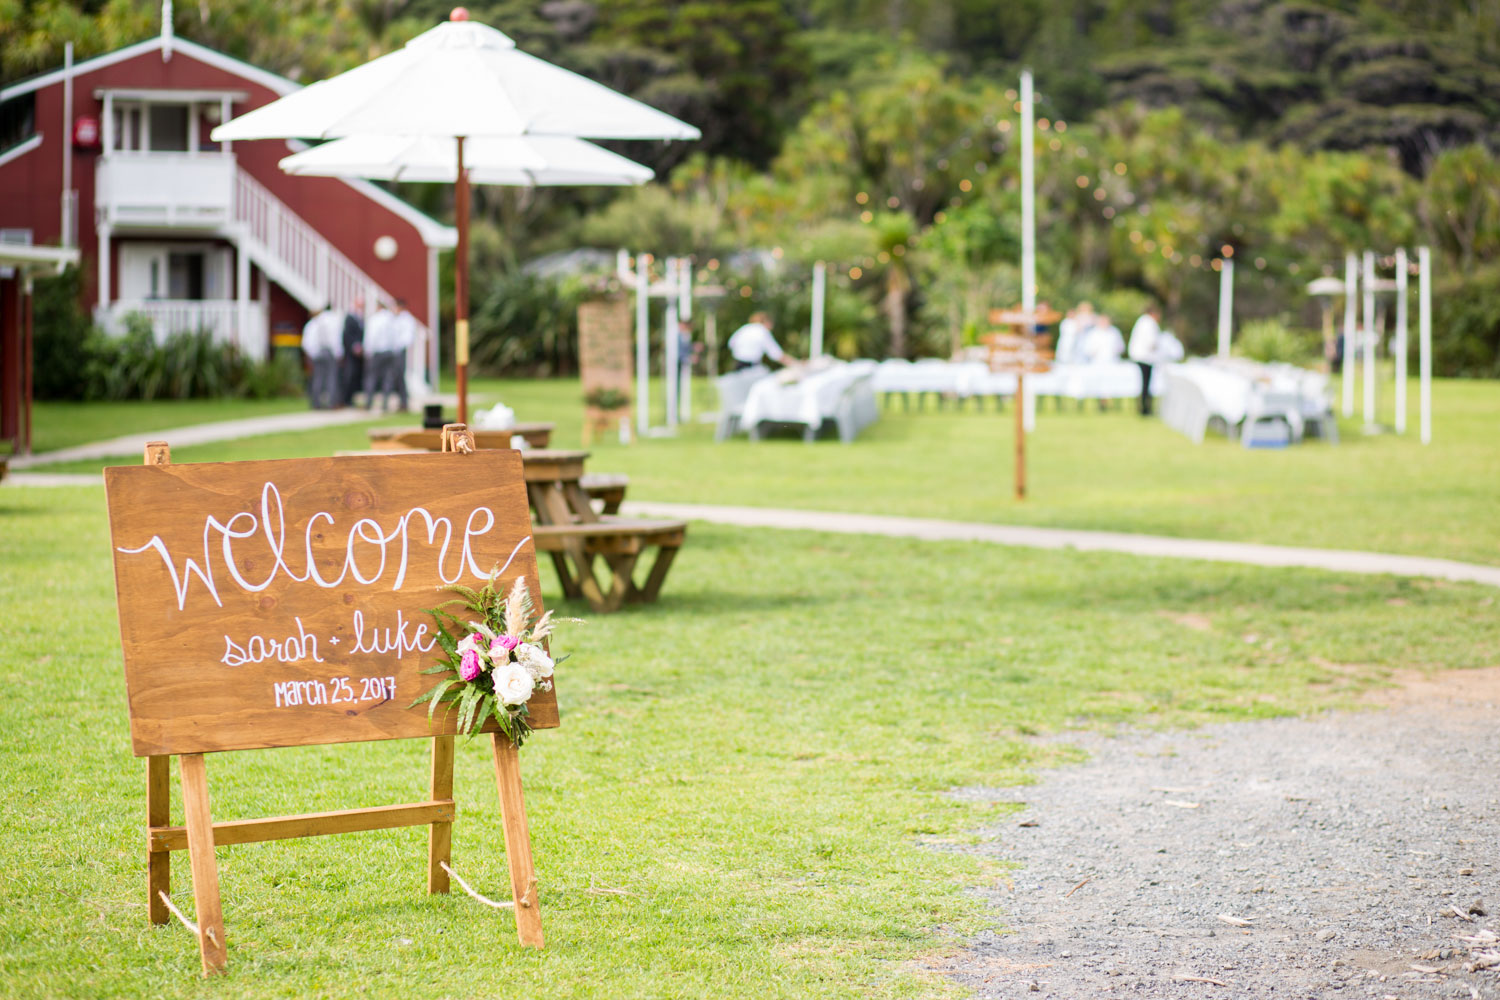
(280, 603)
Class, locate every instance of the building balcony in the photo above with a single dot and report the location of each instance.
(170, 190)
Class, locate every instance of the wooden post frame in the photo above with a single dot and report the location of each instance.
(1019, 353)
(281, 603)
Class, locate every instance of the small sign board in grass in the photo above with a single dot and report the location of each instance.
(1019, 353)
(283, 603)
(606, 359)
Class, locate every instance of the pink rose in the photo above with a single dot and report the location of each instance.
(502, 646)
(469, 666)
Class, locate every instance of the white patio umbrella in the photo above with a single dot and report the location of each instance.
(520, 161)
(459, 81)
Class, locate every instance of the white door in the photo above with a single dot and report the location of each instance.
(143, 272)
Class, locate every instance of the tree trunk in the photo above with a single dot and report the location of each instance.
(895, 312)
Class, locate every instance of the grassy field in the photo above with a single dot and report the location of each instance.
(1109, 471)
(745, 799)
(63, 425)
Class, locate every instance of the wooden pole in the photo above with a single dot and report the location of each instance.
(440, 835)
(158, 781)
(200, 834)
(461, 287)
(523, 884)
(27, 294)
(1020, 435)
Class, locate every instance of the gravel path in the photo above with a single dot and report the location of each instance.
(1319, 857)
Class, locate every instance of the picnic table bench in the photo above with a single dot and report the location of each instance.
(607, 488)
(566, 526)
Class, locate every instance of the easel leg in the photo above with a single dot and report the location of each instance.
(517, 842)
(200, 835)
(158, 813)
(440, 835)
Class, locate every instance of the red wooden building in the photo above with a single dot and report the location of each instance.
(112, 156)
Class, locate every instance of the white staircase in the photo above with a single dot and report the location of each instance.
(295, 256)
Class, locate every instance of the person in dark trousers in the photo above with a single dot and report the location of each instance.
(1144, 349)
(352, 366)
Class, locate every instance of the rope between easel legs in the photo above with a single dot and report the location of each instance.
(183, 917)
(466, 888)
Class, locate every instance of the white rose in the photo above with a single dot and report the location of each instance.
(535, 659)
(512, 684)
(470, 641)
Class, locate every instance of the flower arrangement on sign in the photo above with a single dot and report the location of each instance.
(494, 663)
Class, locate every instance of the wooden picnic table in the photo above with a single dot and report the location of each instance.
(566, 526)
(537, 435)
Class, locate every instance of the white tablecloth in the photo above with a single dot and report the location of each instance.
(808, 401)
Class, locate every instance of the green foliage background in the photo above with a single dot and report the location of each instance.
(881, 135)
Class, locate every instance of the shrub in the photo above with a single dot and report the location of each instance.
(184, 366)
(1273, 340)
(1465, 324)
(62, 330)
(526, 323)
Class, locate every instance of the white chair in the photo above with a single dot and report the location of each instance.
(734, 389)
(1267, 410)
(1184, 408)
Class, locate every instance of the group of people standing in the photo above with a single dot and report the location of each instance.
(1085, 337)
(346, 353)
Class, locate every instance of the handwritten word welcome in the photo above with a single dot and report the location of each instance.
(365, 542)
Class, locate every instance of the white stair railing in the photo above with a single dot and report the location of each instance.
(299, 259)
(299, 249)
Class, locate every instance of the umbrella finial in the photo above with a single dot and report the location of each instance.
(459, 14)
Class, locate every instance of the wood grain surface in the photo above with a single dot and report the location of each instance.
(234, 639)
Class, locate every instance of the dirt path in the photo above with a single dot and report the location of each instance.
(1319, 857)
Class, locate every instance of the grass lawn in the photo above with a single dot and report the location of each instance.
(1110, 471)
(63, 425)
(746, 797)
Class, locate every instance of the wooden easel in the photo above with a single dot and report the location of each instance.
(201, 835)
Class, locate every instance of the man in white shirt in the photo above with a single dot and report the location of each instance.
(1145, 348)
(323, 343)
(404, 335)
(752, 343)
(1070, 333)
(380, 343)
(1103, 344)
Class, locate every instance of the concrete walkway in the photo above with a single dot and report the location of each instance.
(1336, 560)
(223, 430)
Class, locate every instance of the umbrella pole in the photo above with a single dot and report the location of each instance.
(461, 287)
